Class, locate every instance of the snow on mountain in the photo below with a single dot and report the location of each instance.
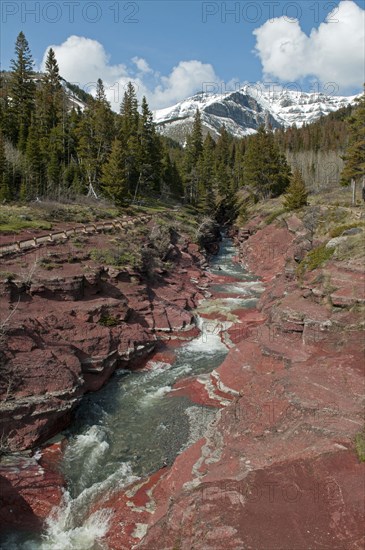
(242, 113)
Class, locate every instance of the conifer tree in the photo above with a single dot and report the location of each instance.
(34, 182)
(223, 167)
(114, 182)
(170, 176)
(206, 200)
(50, 97)
(354, 158)
(128, 136)
(150, 151)
(95, 134)
(266, 171)
(193, 152)
(22, 89)
(296, 194)
(5, 193)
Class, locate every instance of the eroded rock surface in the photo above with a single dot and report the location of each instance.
(68, 324)
(278, 469)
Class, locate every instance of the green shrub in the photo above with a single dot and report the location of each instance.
(315, 258)
(116, 257)
(108, 320)
(47, 263)
(7, 275)
(360, 445)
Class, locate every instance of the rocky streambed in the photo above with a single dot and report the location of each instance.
(242, 437)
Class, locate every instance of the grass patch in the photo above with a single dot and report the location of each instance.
(360, 445)
(353, 248)
(42, 215)
(108, 320)
(116, 257)
(7, 276)
(47, 264)
(15, 225)
(337, 231)
(315, 258)
(272, 217)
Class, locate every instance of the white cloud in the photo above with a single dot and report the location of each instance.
(83, 60)
(332, 53)
(142, 65)
(186, 78)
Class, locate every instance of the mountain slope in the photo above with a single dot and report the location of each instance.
(242, 113)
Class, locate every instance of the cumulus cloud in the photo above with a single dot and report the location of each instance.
(83, 60)
(186, 78)
(142, 65)
(332, 53)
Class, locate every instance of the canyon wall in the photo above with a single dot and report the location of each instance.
(67, 323)
(278, 469)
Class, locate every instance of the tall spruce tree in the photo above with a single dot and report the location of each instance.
(296, 194)
(95, 134)
(266, 171)
(5, 192)
(206, 200)
(193, 152)
(223, 167)
(50, 98)
(128, 136)
(170, 176)
(114, 181)
(22, 89)
(354, 158)
(150, 152)
(33, 185)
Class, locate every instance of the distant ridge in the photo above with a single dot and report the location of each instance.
(242, 113)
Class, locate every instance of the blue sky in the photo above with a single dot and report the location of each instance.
(171, 49)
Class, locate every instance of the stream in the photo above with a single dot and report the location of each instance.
(131, 427)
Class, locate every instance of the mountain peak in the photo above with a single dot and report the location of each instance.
(243, 111)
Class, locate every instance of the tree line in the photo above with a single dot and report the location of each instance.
(52, 147)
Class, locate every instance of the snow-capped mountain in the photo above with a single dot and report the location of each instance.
(242, 113)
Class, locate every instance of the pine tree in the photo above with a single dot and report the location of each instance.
(170, 176)
(193, 152)
(129, 112)
(266, 171)
(5, 193)
(34, 182)
(95, 134)
(222, 162)
(296, 194)
(150, 152)
(128, 135)
(206, 200)
(354, 158)
(50, 97)
(114, 181)
(22, 89)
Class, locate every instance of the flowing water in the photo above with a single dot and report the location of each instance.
(131, 427)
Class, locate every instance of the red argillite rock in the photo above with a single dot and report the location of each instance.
(69, 325)
(30, 488)
(278, 468)
(67, 333)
